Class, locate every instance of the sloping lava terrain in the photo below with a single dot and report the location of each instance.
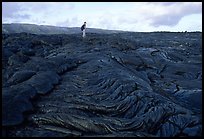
(125, 84)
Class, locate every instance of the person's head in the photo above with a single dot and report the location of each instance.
(84, 22)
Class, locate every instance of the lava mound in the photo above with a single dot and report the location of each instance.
(104, 85)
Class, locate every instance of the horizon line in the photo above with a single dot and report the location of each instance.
(96, 28)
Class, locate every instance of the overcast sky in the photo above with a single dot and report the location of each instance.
(127, 16)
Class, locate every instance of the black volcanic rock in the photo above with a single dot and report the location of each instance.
(20, 76)
(16, 59)
(43, 81)
(27, 51)
(15, 101)
(113, 85)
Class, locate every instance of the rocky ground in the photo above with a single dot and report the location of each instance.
(125, 84)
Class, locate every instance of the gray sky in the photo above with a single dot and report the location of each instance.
(128, 16)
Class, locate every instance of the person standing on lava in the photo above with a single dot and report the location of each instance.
(83, 29)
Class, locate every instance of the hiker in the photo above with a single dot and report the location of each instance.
(83, 28)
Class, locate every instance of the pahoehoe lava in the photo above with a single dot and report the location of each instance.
(106, 85)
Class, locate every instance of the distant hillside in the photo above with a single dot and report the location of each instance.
(44, 29)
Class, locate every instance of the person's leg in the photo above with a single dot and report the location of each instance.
(83, 33)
